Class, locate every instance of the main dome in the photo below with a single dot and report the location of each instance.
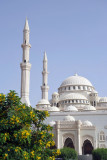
(76, 80)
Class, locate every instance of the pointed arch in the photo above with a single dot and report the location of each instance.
(88, 137)
(68, 140)
(87, 147)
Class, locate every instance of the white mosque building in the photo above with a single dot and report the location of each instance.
(77, 114)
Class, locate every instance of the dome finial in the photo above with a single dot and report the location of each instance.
(75, 74)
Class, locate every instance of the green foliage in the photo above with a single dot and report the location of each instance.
(100, 154)
(68, 153)
(18, 141)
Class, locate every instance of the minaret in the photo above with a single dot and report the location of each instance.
(45, 86)
(25, 66)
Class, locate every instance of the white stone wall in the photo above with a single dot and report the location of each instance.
(98, 119)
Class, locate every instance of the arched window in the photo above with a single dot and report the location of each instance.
(72, 101)
(101, 136)
(78, 87)
(73, 87)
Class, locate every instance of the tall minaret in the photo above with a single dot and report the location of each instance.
(45, 86)
(25, 66)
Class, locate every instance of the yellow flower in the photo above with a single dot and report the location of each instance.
(8, 149)
(40, 141)
(32, 154)
(24, 107)
(17, 120)
(51, 134)
(52, 143)
(6, 136)
(58, 152)
(42, 132)
(32, 114)
(48, 144)
(25, 155)
(25, 134)
(46, 113)
(42, 136)
(38, 158)
(5, 156)
(52, 158)
(48, 127)
(16, 150)
(15, 135)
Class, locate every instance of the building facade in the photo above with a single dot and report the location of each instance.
(78, 114)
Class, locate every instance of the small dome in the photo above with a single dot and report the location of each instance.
(52, 123)
(43, 107)
(87, 123)
(53, 109)
(94, 91)
(71, 108)
(76, 80)
(89, 108)
(73, 96)
(103, 99)
(55, 93)
(43, 102)
(69, 118)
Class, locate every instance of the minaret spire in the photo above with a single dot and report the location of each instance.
(45, 86)
(25, 65)
(45, 56)
(26, 27)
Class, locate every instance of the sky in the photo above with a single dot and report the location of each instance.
(72, 32)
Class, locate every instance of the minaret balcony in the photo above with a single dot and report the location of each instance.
(26, 45)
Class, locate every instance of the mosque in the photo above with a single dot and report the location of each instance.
(77, 114)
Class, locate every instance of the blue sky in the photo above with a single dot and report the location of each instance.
(73, 33)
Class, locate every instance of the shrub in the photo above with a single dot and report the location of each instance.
(18, 141)
(68, 153)
(100, 154)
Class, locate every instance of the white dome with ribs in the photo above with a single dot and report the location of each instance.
(69, 118)
(71, 108)
(76, 80)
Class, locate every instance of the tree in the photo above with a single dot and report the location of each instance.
(23, 134)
